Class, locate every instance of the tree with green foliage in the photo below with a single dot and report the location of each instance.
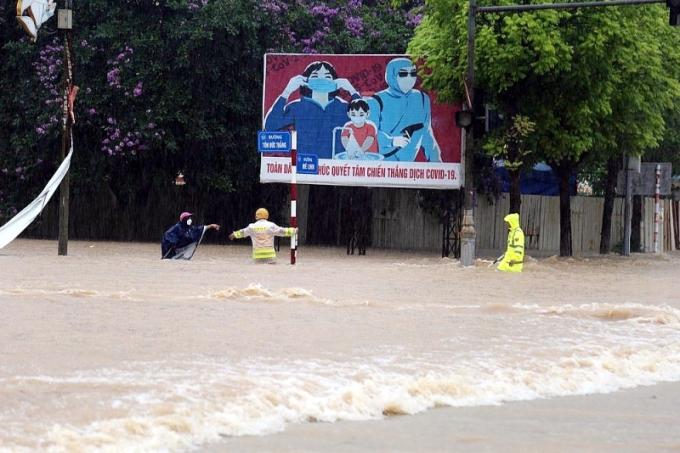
(586, 77)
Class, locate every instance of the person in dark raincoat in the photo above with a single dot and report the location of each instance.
(513, 258)
(182, 239)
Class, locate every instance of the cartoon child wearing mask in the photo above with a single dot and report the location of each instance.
(404, 116)
(359, 134)
(317, 113)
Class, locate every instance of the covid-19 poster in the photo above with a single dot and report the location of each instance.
(360, 120)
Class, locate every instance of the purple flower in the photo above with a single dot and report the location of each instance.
(113, 77)
(354, 25)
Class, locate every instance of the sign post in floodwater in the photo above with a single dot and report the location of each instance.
(284, 142)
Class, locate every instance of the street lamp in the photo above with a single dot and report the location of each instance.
(468, 235)
(465, 119)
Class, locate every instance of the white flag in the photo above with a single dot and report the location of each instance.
(31, 14)
(19, 222)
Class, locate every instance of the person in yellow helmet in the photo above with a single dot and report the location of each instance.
(513, 258)
(262, 233)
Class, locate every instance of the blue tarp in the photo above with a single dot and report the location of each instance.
(540, 180)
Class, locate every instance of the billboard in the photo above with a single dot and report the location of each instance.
(360, 120)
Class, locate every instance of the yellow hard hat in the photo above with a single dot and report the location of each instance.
(261, 213)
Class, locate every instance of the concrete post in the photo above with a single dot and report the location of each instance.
(467, 239)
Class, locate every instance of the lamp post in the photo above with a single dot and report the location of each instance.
(65, 26)
(468, 235)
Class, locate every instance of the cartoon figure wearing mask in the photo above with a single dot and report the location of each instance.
(404, 116)
(359, 134)
(318, 115)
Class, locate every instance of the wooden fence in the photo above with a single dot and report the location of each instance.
(399, 223)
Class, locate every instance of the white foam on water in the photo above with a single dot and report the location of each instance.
(177, 405)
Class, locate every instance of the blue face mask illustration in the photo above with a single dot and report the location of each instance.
(321, 85)
(358, 120)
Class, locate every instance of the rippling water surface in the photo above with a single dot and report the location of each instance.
(110, 349)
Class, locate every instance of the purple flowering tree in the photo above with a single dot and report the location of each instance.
(166, 87)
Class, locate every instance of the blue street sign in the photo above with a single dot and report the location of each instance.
(273, 142)
(308, 164)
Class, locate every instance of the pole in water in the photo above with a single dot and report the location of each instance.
(293, 195)
(496, 260)
(657, 212)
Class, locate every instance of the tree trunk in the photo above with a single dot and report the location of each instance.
(635, 221)
(511, 109)
(565, 169)
(515, 192)
(608, 209)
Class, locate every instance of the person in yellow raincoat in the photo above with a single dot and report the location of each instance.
(262, 233)
(513, 258)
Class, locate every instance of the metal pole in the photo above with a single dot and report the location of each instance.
(574, 5)
(64, 190)
(468, 235)
(293, 195)
(627, 211)
(657, 206)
